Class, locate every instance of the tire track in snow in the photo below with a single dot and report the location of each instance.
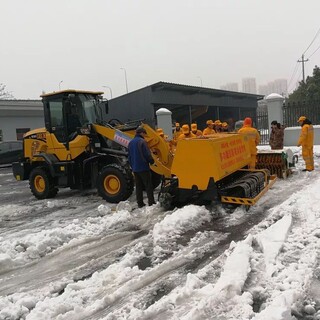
(63, 262)
(153, 277)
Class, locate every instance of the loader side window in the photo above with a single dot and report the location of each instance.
(56, 114)
(56, 118)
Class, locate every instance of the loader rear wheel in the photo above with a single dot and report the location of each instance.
(115, 183)
(41, 184)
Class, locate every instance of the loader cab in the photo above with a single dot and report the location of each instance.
(66, 112)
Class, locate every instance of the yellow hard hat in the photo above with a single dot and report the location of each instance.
(185, 129)
(218, 122)
(194, 126)
(224, 124)
(160, 132)
(302, 118)
(209, 122)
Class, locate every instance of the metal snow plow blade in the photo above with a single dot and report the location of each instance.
(248, 188)
(278, 162)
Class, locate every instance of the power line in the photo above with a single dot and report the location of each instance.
(295, 84)
(314, 52)
(315, 37)
(293, 73)
(303, 60)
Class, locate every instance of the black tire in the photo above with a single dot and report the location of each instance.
(115, 183)
(41, 184)
(166, 201)
(53, 192)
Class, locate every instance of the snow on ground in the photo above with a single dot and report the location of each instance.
(77, 257)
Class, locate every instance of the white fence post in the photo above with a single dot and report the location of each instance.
(164, 121)
(275, 108)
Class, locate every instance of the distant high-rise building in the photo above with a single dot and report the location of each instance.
(231, 86)
(249, 85)
(281, 87)
(271, 87)
(277, 86)
(263, 89)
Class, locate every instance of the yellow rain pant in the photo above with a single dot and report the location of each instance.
(307, 155)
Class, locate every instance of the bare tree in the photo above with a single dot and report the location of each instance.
(4, 94)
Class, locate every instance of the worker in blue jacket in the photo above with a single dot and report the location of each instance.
(140, 158)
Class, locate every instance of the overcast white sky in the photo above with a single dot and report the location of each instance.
(84, 43)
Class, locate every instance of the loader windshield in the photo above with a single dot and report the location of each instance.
(89, 106)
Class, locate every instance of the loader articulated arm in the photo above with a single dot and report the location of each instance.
(159, 147)
(160, 151)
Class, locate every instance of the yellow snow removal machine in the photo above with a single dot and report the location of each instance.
(215, 168)
(79, 150)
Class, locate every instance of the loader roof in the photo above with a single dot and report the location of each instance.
(71, 91)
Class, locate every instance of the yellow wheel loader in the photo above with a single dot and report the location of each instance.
(79, 150)
(68, 152)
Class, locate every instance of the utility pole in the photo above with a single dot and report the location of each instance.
(303, 61)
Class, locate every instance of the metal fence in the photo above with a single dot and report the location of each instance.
(263, 126)
(291, 114)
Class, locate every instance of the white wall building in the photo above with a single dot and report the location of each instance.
(18, 117)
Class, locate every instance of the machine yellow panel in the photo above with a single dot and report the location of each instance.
(35, 132)
(198, 159)
(76, 147)
(35, 141)
(41, 141)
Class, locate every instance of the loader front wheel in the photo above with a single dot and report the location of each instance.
(41, 184)
(166, 201)
(115, 183)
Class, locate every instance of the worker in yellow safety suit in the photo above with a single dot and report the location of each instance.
(306, 141)
(186, 133)
(194, 130)
(209, 129)
(224, 127)
(177, 131)
(217, 126)
(253, 139)
(161, 134)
